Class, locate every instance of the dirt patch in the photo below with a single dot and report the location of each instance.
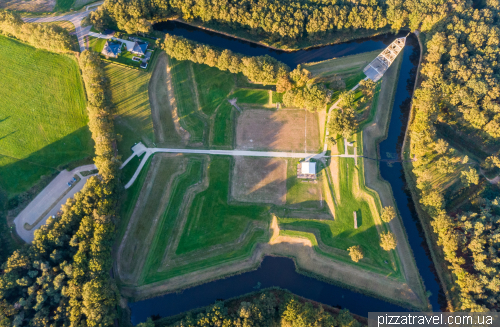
(30, 6)
(166, 122)
(282, 130)
(259, 180)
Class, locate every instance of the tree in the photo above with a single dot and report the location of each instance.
(148, 323)
(346, 100)
(441, 146)
(355, 253)
(469, 177)
(388, 241)
(491, 162)
(283, 84)
(342, 122)
(388, 213)
(367, 87)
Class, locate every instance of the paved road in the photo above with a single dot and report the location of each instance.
(139, 149)
(76, 19)
(47, 200)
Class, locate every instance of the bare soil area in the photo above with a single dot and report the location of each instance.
(30, 6)
(283, 130)
(259, 180)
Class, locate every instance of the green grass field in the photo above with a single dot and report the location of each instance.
(343, 66)
(63, 5)
(96, 44)
(190, 118)
(43, 120)
(213, 85)
(224, 125)
(302, 194)
(339, 233)
(251, 96)
(129, 93)
(211, 219)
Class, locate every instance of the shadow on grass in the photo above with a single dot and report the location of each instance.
(22, 179)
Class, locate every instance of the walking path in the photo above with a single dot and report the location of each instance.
(75, 19)
(49, 201)
(139, 149)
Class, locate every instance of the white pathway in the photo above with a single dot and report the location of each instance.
(139, 149)
(49, 198)
(75, 19)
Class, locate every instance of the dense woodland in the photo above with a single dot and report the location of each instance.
(287, 19)
(458, 102)
(63, 279)
(267, 309)
(48, 37)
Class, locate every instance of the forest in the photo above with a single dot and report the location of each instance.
(458, 102)
(63, 279)
(286, 19)
(263, 309)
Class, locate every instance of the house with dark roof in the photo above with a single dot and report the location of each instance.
(140, 48)
(112, 49)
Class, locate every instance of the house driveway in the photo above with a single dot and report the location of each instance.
(129, 44)
(49, 201)
(75, 19)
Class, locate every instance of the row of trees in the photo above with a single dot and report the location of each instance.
(270, 308)
(49, 37)
(62, 279)
(298, 85)
(289, 19)
(261, 69)
(460, 89)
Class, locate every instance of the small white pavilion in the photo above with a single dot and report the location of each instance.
(308, 167)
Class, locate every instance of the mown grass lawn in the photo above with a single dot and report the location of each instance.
(251, 96)
(212, 220)
(43, 120)
(340, 232)
(213, 85)
(190, 118)
(224, 125)
(129, 93)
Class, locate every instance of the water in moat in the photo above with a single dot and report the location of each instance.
(281, 272)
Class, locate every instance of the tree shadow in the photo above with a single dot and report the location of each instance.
(23, 178)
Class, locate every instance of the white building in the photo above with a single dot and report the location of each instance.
(308, 168)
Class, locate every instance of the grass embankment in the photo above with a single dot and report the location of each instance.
(209, 224)
(201, 94)
(129, 93)
(252, 96)
(43, 122)
(179, 198)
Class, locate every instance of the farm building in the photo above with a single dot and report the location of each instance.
(306, 169)
(112, 49)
